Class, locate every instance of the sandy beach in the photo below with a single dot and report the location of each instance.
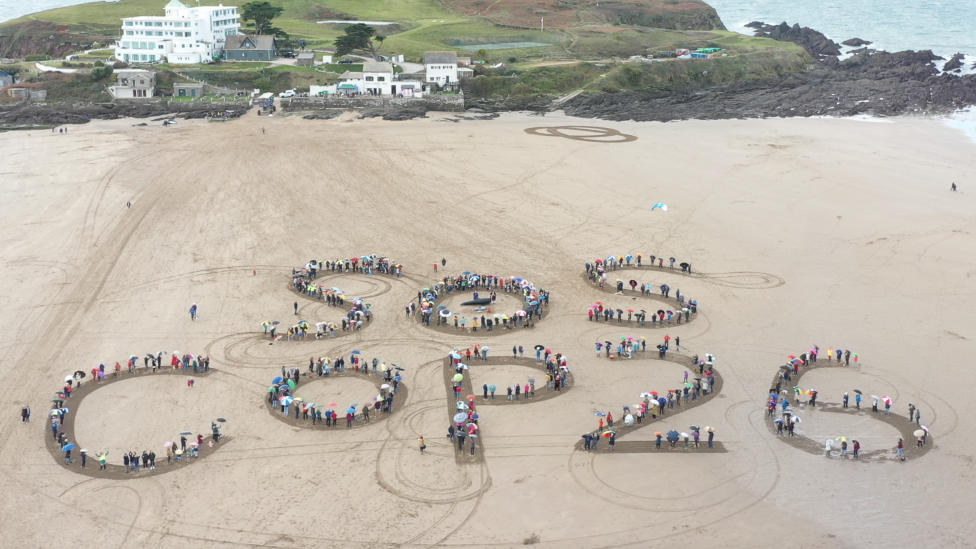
(802, 232)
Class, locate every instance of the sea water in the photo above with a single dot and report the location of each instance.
(12, 9)
(944, 26)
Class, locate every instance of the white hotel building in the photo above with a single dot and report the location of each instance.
(184, 35)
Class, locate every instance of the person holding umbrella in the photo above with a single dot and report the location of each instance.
(612, 439)
(216, 431)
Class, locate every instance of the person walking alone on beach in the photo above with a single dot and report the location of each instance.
(296, 307)
(422, 444)
(25, 414)
(193, 312)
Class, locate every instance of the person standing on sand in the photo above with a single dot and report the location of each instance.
(846, 398)
(193, 312)
(711, 437)
(911, 413)
(25, 414)
(857, 449)
(857, 401)
(422, 444)
(296, 307)
(953, 188)
(900, 449)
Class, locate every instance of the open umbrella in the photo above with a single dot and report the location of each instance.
(458, 377)
(277, 380)
(186, 432)
(291, 384)
(354, 404)
(608, 434)
(355, 352)
(475, 416)
(841, 439)
(858, 391)
(886, 399)
(695, 428)
(286, 400)
(919, 433)
(492, 387)
(462, 406)
(672, 435)
(796, 419)
(350, 410)
(385, 386)
(221, 420)
(333, 404)
(531, 380)
(709, 430)
(445, 313)
(460, 416)
(168, 443)
(778, 420)
(658, 433)
(68, 446)
(471, 397)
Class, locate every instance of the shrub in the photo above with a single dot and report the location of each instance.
(38, 57)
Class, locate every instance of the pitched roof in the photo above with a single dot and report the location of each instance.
(348, 75)
(175, 4)
(306, 56)
(431, 57)
(260, 41)
(377, 67)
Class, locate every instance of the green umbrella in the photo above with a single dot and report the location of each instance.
(291, 383)
(458, 377)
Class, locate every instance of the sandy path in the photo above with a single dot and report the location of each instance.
(831, 232)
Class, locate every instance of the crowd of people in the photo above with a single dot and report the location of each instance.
(358, 313)
(628, 346)
(151, 363)
(614, 262)
(281, 393)
(367, 264)
(784, 386)
(659, 318)
(534, 301)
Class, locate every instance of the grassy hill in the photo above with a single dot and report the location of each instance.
(578, 29)
(493, 30)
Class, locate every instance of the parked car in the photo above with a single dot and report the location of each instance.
(346, 61)
(287, 53)
(287, 93)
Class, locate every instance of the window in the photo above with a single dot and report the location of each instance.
(369, 78)
(128, 33)
(128, 23)
(125, 45)
(380, 79)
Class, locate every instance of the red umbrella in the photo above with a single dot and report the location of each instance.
(653, 392)
(791, 356)
(630, 310)
(471, 397)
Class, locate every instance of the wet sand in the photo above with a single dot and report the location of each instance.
(831, 232)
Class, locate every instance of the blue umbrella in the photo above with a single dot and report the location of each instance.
(355, 352)
(442, 306)
(600, 414)
(68, 446)
(354, 404)
(351, 410)
(287, 400)
(466, 272)
(672, 436)
(276, 380)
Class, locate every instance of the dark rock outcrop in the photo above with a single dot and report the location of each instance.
(954, 63)
(403, 113)
(856, 42)
(818, 45)
(81, 114)
(871, 82)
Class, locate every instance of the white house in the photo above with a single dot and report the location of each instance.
(184, 35)
(378, 78)
(133, 84)
(441, 67)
